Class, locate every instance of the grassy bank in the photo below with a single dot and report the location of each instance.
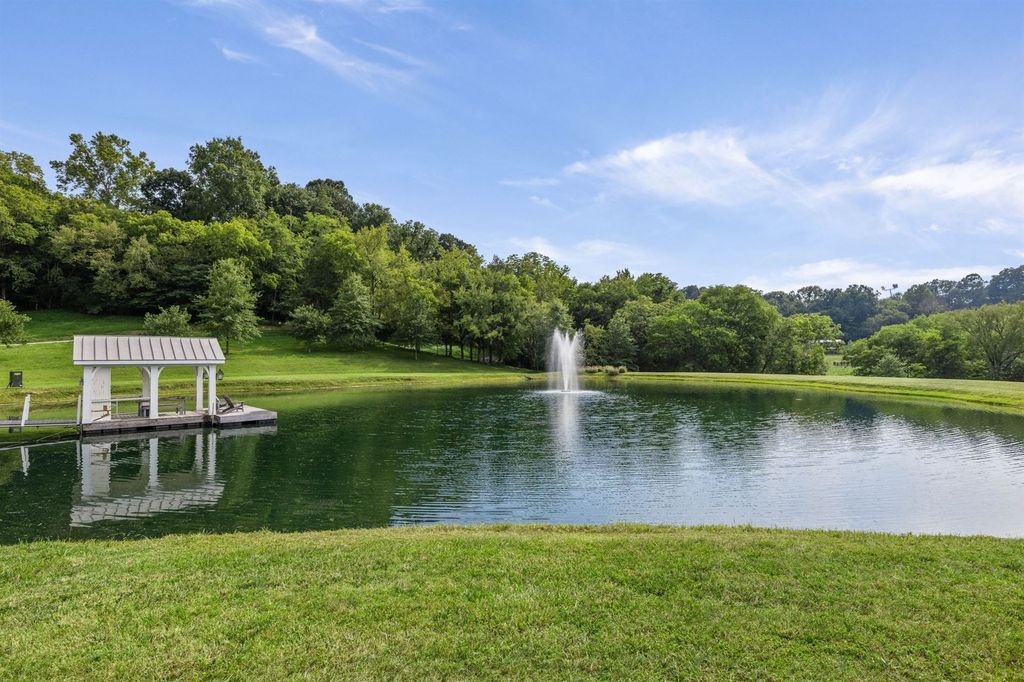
(277, 363)
(274, 363)
(1003, 395)
(542, 603)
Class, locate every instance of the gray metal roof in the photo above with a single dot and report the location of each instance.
(146, 350)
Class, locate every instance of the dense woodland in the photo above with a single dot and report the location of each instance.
(224, 243)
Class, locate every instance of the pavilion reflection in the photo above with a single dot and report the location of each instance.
(103, 497)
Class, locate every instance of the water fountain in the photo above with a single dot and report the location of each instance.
(565, 357)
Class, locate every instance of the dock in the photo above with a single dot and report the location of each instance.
(100, 413)
(242, 417)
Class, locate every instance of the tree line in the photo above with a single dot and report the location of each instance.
(224, 242)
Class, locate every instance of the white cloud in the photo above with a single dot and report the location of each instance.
(543, 201)
(380, 6)
(236, 56)
(297, 33)
(841, 272)
(992, 181)
(882, 169)
(397, 55)
(698, 166)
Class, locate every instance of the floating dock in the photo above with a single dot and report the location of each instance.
(247, 415)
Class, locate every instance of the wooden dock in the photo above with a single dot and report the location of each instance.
(245, 416)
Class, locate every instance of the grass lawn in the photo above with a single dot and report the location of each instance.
(837, 370)
(1004, 395)
(276, 362)
(611, 602)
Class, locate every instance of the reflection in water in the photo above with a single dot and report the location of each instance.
(149, 493)
(657, 454)
(565, 418)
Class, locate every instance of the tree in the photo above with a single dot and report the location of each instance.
(417, 320)
(167, 190)
(25, 211)
(997, 331)
(12, 323)
(229, 307)
(370, 215)
(749, 317)
(1007, 286)
(331, 258)
(171, 321)
(105, 169)
(969, 292)
(331, 197)
(352, 322)
(309, 325)
(656, 287)
(229, 180)
(619, 344)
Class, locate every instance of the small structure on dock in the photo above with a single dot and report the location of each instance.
(101, 412)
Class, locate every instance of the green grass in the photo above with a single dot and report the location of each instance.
(545, 603)
(836, 370)
(1004, 395)
(49, 325)
(274, 363)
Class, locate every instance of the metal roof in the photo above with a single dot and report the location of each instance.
(146, 350)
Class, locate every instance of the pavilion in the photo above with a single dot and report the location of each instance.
(98, 355)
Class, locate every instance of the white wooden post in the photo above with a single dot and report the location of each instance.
(199, 389)
(87, 395)
(24, 409)
(154, 392)
(213, 389)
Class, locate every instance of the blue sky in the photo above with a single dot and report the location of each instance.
(775, 144)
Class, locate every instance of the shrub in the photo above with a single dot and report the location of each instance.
(172, 321)
(12, 323)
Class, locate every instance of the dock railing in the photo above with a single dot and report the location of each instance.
(138, 406)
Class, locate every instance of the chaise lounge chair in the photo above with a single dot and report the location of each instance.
(226, 404)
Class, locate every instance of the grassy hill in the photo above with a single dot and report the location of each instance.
(276, 362)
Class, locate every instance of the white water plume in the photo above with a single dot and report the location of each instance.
(565, 358)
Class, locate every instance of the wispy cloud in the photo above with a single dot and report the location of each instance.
(699, 166)
(380, 6)
(237, 56)
(833, 163)
(840, 272)
(394, 54)
(542, 201)
(299, 34)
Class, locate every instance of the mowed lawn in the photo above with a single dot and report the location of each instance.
(271, 363)
(610, 602)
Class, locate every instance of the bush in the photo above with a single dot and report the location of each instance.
(172, 321)
(309, 325)
(12, 323)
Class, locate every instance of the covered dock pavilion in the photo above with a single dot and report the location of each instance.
(99, 411)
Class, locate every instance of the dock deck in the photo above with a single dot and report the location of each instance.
(244, 416)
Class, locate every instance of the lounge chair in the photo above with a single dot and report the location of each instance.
(226, 404)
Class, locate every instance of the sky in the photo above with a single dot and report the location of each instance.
(775, 144)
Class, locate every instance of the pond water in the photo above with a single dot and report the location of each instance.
(671, 454)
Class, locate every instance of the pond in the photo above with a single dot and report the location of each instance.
(676, 454)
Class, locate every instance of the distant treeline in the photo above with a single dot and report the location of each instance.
(224, 234)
